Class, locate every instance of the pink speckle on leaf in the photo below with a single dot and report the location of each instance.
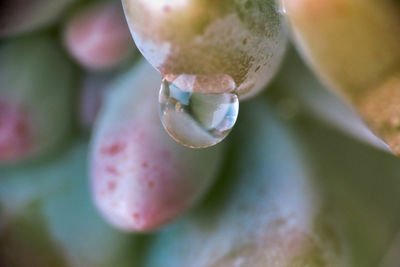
(112, 185)
(112, 170)
(113, 149)
(15, 132)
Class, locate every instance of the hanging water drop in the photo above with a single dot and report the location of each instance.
(194, 119)
(282, 8)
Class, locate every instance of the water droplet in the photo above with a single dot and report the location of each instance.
(282, 7)
(197, 120)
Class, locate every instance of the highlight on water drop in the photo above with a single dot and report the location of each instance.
(196, 119)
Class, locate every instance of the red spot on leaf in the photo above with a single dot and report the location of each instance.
(112, 185)
(145, 165)
(136, 216)
(15, 131)
(112, 170)
(113, 149)
(151, 184)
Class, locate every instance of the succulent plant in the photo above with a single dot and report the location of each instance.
(297, 183)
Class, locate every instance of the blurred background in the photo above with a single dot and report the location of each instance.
(300, 181)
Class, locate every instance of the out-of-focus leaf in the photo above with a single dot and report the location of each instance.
(36, 78)
(59, 192)
(25, 242)
(359, 184)
(354, 46)
(299, 89)
(21, 16)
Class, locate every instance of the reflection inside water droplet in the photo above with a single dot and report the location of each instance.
(197, 120)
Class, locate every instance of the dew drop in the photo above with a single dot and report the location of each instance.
(197, 120)
(282, 7)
